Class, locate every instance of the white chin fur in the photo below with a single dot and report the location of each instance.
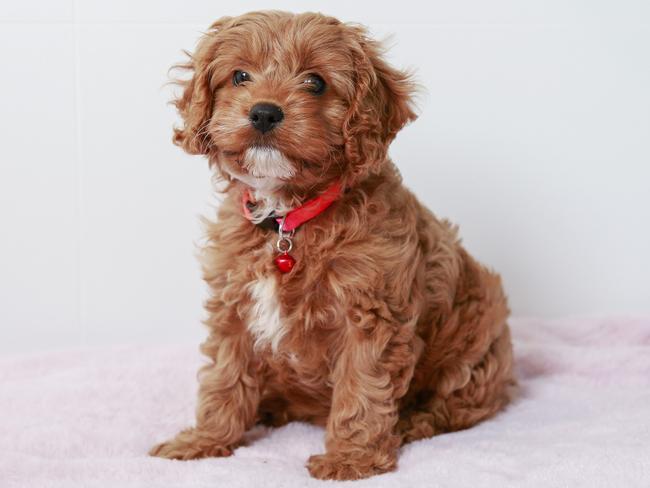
(267, 162)
(262, 184)
(267, 169)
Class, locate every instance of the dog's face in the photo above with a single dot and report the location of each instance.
(282, 100)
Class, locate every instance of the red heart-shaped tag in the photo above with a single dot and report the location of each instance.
(285, 262)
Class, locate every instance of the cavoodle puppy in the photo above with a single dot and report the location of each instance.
(336, 297)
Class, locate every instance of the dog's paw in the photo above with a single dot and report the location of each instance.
(189, 444)
(342, 467)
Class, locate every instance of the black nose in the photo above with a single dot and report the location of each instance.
(265, 116)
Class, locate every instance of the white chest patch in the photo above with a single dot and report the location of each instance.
(264, 317)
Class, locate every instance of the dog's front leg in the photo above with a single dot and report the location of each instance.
(228, 400)
(372, 372)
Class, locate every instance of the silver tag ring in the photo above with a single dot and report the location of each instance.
(287, 243)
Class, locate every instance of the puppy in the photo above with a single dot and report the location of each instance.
(336, 297)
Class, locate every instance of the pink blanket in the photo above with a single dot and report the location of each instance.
(87, 418)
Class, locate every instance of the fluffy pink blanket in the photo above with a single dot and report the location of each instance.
(87, 418)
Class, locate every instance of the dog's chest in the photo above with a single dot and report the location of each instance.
(264, 317)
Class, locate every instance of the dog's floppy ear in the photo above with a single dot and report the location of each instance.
(381, 105)
(196, 103)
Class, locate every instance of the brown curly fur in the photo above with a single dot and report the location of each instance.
(391, 331)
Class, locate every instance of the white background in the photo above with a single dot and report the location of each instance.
(533, 136)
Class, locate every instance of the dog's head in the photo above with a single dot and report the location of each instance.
(281, 100)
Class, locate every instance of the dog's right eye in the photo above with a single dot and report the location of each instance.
(240, 77)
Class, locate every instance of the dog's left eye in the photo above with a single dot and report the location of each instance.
(314, 83)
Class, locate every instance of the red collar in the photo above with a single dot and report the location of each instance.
(307, 211)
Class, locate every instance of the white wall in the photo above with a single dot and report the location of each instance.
(534, 137)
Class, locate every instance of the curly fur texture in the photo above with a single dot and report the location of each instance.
(386, 331)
